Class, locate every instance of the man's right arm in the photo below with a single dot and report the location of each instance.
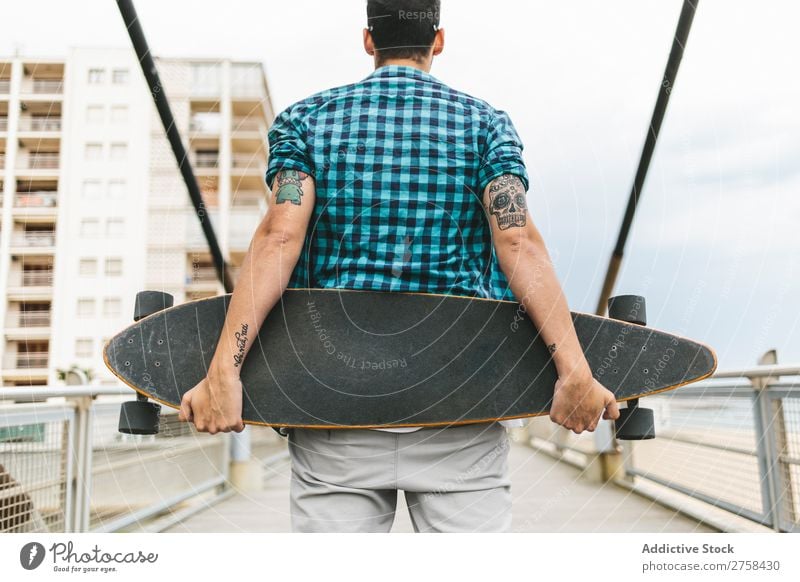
(578, 398)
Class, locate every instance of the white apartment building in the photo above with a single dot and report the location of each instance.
(93, 207)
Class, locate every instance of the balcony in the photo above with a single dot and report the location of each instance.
(34, 239)
(40, 161)
(39, 124)
(247, 91)
(2, 161)
(43, 86)
(35, 278)
(249, 199)
(249, 163)
(205, 161)
(40, 199)
(5, 86)
(25, 326)
(3, 124)
(205, 124)
(248, 124)
(27, 360)
(25, 319)
(202, 279)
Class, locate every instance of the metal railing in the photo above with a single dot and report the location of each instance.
(40, 278)
(249, 161)
(202, 275)
(206, 160)
(48, 161)
(39, 124)
(5, 86)
(248, 124)
(34, 239)
(731, 442)
(66, 468)
(734, 445)
(3, 123)
(31, 319)
(40, 199)
(27, 360)
(248, 198)
(45, 86)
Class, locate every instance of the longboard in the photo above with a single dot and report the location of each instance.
(364, 359)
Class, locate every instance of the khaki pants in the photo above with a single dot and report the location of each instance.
(455, 479)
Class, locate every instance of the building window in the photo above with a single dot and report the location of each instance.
(90, 227)
(114, 226)
(96, 76)
(94, 114)
(112, 307)
(119, 113)
(86, 307)
(84, 346)
(87, 267)
(116, 188)
(94, 151)
(120, 76)
(92, 188)
(119, 151)
(113, 266)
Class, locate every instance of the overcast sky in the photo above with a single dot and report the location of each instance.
(715, 244)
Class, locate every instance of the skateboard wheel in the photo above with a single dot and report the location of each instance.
(635, 424)
(139, 417)
(149, 302)
(628, 308)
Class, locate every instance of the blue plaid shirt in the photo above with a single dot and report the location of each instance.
(400, 162)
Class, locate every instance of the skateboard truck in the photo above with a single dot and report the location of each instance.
(141, 416)
(634, 422)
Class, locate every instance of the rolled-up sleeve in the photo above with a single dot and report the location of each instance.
(287, 147)
(502, 153)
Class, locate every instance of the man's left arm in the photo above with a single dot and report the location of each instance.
(215, 404)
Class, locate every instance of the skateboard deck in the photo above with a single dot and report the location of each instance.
(344, 359)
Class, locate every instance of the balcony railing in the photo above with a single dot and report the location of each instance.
(199, 125)
(40, 124)
(248, 198)
(248, 161)
(206, 160)
(3, 123)
(247, 124)
(2, 160)
(47, 86)
(5, 86)
(202, 275)
(33, 318)
(48, 161)
(36, 279)
(34, 239)
(42, 199)
(28, 360)
(246, 90)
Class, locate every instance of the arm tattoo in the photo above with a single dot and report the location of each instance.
(507, 201)
(290, 186)
(551, 348)
(241, 342)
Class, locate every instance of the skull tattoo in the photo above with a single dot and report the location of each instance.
(507, 201)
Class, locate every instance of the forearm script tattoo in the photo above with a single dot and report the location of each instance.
(290, 187)
(507, 201)
(241, 342)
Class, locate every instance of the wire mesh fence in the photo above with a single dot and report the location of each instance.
(65, 467)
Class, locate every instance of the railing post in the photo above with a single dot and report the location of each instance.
(765, 444)
(82, 457)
